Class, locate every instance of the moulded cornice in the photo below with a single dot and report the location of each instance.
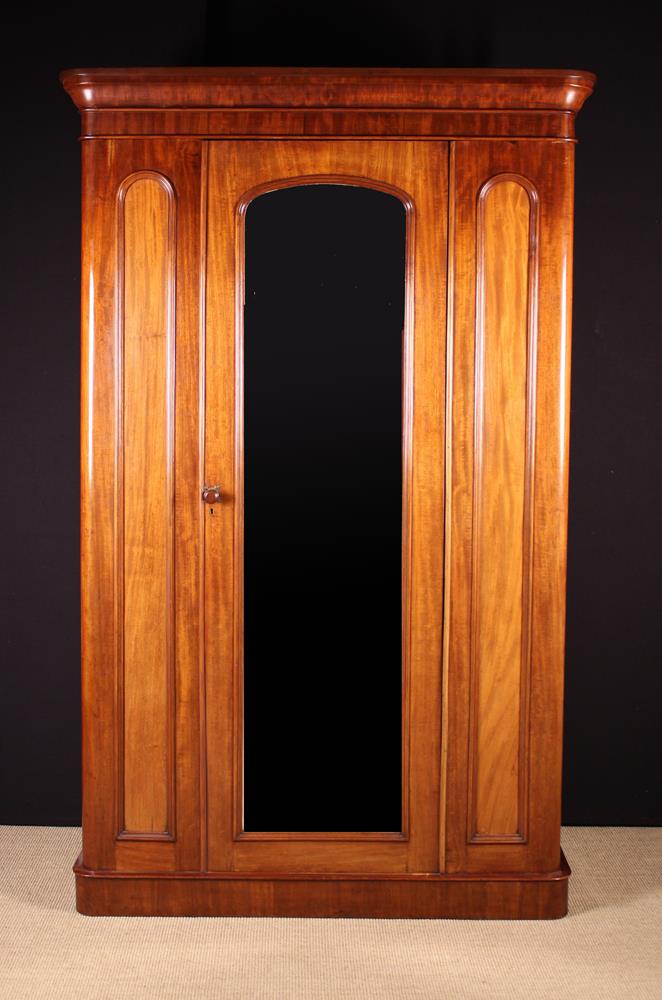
(302, 87)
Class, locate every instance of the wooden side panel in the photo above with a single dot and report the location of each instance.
(142, 564)
(145, 504)
(507, 502)
(501, 571)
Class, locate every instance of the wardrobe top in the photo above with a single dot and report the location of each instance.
(272, 103)
(303, 87)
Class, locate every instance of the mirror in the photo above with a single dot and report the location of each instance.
(323, 335)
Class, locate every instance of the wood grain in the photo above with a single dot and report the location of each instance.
(486, 896)
(144, 506)
(107, 167)
(504, 430)
(279, 123)
(536, 714)
(401, 103)
(260, 87)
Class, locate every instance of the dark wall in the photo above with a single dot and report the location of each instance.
(612, 748)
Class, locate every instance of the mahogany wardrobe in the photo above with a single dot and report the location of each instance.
(325, 348)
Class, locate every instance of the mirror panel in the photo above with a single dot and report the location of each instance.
(323, 334)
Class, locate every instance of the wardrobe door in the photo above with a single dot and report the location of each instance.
(511, 206)
(324, 389)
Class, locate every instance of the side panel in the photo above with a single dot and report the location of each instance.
(511, 204)
(141, 519)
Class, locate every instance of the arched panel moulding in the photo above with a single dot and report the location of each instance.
(504, 455)
(144, 507)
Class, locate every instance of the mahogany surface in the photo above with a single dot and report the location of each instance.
(298, 101)
(483, 162)
(494, 897)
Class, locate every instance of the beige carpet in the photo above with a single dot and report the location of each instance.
(609, 946)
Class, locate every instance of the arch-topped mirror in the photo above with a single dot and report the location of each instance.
(324, 317)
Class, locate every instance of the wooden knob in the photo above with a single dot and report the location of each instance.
(211, 494)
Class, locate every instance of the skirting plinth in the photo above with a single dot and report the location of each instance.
(233, 894)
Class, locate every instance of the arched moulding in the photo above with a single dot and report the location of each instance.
(144, 508)
(507, 222)
(241, 208)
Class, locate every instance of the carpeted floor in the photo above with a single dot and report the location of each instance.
(609, 946)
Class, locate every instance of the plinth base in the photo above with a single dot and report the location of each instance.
(236, 894)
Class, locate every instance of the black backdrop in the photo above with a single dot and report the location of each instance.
(612, 744)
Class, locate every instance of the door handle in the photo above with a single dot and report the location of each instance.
(211, 494)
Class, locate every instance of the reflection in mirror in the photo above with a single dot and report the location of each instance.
(323, 321)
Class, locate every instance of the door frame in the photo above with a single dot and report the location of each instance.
(417, 173)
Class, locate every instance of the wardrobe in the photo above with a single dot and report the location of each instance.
(324, 427)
